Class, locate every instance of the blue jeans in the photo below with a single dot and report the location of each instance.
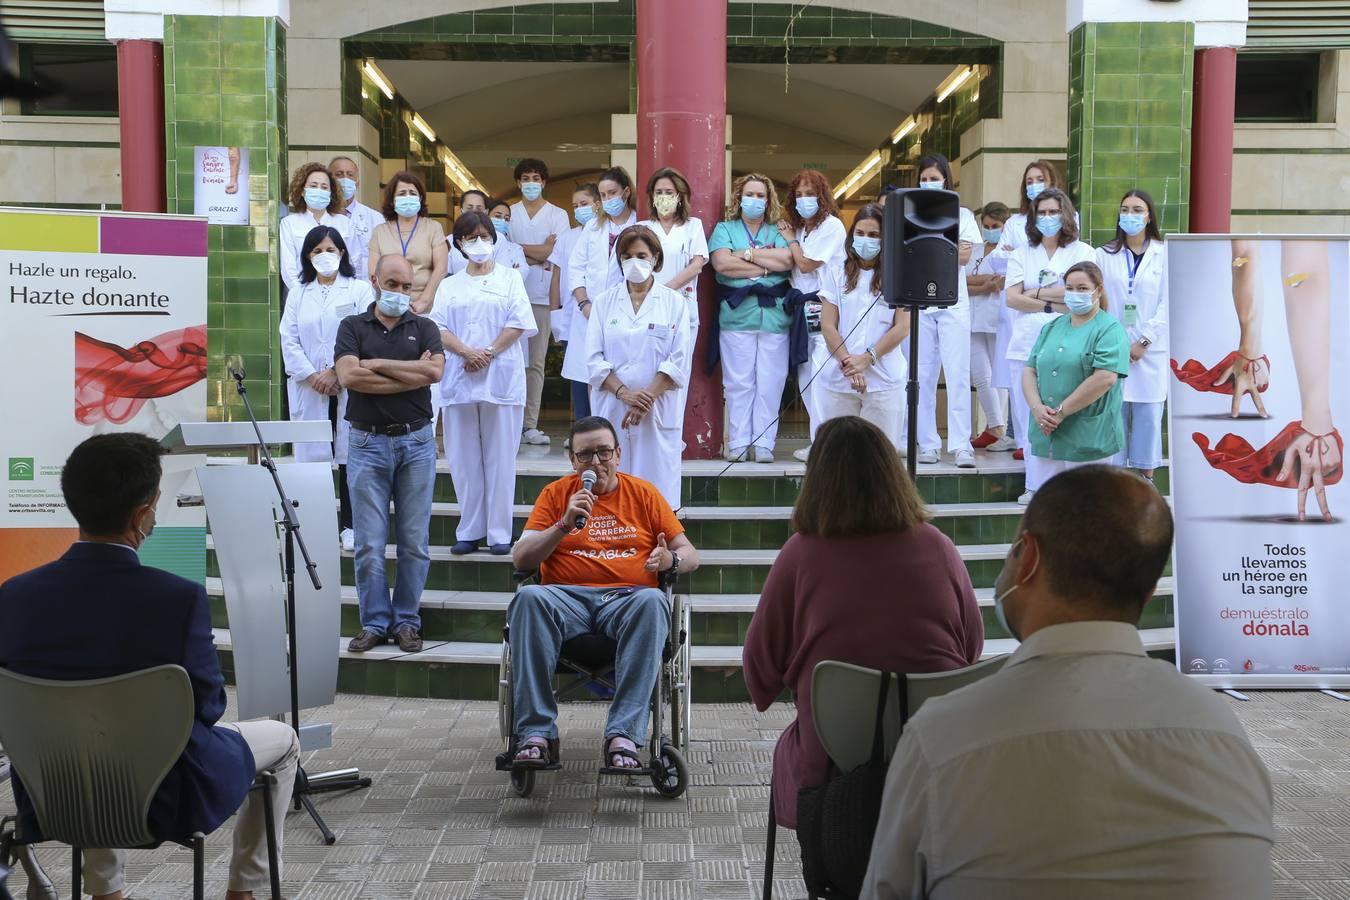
(542, 617)
(581, 399)
(402, 469)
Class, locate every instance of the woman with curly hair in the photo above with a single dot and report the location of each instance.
(313, 200)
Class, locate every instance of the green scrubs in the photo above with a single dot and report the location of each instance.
(1063, 358)
(749, 316)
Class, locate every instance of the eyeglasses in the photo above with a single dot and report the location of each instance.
(604, 454)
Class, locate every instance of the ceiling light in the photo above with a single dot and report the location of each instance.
(951, 88)
(423, 127)
(375, 75)
(903, 130)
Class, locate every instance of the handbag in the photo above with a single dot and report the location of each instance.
(837, 820)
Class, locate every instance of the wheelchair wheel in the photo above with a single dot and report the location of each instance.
(670, 773)
(522, 781)
(506, 719)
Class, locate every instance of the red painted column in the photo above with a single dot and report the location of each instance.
(140, 107)
(682, 122)
(1212, 140)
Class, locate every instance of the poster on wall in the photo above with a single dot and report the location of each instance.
(1259, 393)
(220, 184)
(103, 329)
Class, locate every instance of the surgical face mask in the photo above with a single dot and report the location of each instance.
(1048, 226)
(1000, 610)
(932, 185)
(348, 186)
(614, 206)
(148, 530)
(503, 226)
(1079, 302)
(753, 207)
(394, 304)
(807, 206)
(867, 248)
(326, 263)
(637, 271)
(991, 235)
(408, 205)
(478, 249)
(665, 204)
(531, 190)
(1034, 189)
(584, 214)
(318, 198)
(1131, 223)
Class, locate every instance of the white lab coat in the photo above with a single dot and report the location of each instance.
(593, 265)
(1140, 304)
(679, 246)
(636, 346)
(1025, 266)
(550, 220)
(505, 253)
(294, 228)
(363, 221)
(825, 244)
(308, 330)
(572, 324)
(484, 410)
(864, 318)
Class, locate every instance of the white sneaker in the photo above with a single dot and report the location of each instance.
(534, 436)
(929, 457)
(801, 454)
(965, 459)
(1005, 444)
(1026, 497)
(348, 540)
(737, 454)
(763, 455)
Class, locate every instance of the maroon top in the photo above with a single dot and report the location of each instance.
(901, 602)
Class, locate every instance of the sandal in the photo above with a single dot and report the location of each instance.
(548, 754)
(610, 751)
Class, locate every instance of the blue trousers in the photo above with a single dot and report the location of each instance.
(542, 617)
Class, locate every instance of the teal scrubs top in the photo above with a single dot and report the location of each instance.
(1063, 358)
(749, 316)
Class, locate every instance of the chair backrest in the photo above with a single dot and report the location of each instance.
(844, 704)
(92, 753)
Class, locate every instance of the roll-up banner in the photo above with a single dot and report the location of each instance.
(102, 329)
(1260, 393)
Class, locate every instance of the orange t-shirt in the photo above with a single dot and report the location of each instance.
(612, 550)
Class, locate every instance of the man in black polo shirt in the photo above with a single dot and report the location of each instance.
(386, 358)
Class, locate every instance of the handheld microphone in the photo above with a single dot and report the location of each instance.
(234, 366)
(587, 483)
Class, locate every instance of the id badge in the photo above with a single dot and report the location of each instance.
(813, 311)
(1131, 314)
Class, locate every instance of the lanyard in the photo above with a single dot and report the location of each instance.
(754, 244)
(1133, 264)
(405, 244)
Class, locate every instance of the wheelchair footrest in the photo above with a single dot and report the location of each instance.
(643, 772)
(505, 762)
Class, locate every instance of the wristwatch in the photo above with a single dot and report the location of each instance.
(1049, 307)
(749, 254)
(872, 352)
(1145, 342)
(674, 562)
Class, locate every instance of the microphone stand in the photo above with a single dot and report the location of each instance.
(305, 784)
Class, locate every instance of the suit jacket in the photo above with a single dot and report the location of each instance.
(97, 612)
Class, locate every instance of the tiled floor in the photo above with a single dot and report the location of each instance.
(440, 823)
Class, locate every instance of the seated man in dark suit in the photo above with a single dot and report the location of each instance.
(97, 612)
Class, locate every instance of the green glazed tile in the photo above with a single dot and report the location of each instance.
(351, 676)
(381, 678)
(250, 29)
(1116, 34)
(442, 683)
(193, 28)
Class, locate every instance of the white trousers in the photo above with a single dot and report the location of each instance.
(648, 452)
(308, 405)
(809, 380)
(754, 370)
(682, 395)
(884, 409)
(992, 400)
(1021, 410)
(1040, 470)
(944, 343)
(482, 460)
(274, 747)
(535, 354)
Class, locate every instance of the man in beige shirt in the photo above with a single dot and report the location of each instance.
(1084, 769)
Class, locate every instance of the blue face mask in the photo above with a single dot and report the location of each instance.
(807, 206)
(318, 198)
(1034, 189)
(502, 226)
(614, 206)
(753, 207)
(1048, 226)
(991, 235)
(393, 304)
(531, 190)
(584, 214)
(408, 205)
(931, 185)
(348, 186)
(1131, 223)
(867, 248)
(1079, 302)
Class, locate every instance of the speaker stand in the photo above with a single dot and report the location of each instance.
(912, 397)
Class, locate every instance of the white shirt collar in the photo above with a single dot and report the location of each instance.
(1085, 638)
(111, 544)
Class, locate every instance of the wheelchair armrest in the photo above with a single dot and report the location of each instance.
(522, 576)
(666, 580)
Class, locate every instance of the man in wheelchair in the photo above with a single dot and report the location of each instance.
(600, 577)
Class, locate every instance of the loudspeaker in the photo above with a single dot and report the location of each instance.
(920, 264)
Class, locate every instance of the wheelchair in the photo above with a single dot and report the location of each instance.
(588, 660)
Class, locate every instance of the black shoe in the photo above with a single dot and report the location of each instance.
(365, 640)
(500, 549)
(409, 641)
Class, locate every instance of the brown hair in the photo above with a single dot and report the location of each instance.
(852, 262)
(855, 485)
(994, 210)
(634, 233)
(772, 211)
(681, 189)
(1095, 275)
(297, 191)
(1068, 218)
(1051, 181)
(816, 181)
(387, 206)
(619, 175)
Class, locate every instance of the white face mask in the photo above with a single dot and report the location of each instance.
(637, 270)
(478, 250)
(326, 263)
(1000, 610)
